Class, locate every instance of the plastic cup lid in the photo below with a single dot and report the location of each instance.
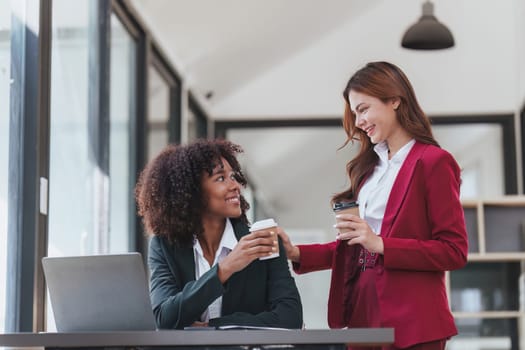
(345, 205)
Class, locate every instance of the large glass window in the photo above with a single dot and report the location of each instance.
(71, 173)
(5, 77)
(158, 112)
(123, 95)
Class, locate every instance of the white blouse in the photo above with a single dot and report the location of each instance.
(374, 194)
(228, 242)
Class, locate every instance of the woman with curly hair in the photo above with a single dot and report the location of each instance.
(204, 263)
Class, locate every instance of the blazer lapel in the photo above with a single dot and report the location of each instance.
(185, 261)
(400, 187)
(235, 285)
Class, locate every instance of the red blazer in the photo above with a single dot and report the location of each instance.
(424, 235)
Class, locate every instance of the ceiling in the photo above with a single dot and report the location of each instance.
(274, 59)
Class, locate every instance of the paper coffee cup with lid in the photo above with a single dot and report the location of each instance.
(264, 225)
(345, 208)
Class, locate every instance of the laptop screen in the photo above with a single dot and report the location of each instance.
(99, 293)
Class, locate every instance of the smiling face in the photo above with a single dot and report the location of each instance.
(375, 117)
(222, 192)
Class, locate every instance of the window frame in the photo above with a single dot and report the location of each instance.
(28, 164)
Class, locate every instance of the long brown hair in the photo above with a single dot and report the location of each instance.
(384, 81)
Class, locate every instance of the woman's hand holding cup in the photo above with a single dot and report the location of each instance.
(255, 245)
(292, 251)
(267, 226)
(352, 228)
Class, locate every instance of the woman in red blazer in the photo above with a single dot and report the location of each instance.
(388, 264)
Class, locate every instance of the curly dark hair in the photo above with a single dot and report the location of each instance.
(169, 193)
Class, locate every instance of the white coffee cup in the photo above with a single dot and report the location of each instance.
(263, 225)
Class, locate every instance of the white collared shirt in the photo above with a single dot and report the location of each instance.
(228, 242)
(374, 194)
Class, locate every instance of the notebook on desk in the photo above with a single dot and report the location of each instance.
(99, 293)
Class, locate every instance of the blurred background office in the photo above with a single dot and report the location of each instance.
(92, 89)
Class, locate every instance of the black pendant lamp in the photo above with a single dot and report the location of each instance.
(428, 33)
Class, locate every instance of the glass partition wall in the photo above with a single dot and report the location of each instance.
(478, 150)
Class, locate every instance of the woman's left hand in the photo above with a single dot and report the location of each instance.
(355, 230)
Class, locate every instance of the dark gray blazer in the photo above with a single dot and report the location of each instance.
(262, 294)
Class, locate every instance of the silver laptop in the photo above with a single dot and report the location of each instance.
(99, 293)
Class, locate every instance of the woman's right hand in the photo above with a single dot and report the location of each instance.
(292, 251)
(253, 246)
